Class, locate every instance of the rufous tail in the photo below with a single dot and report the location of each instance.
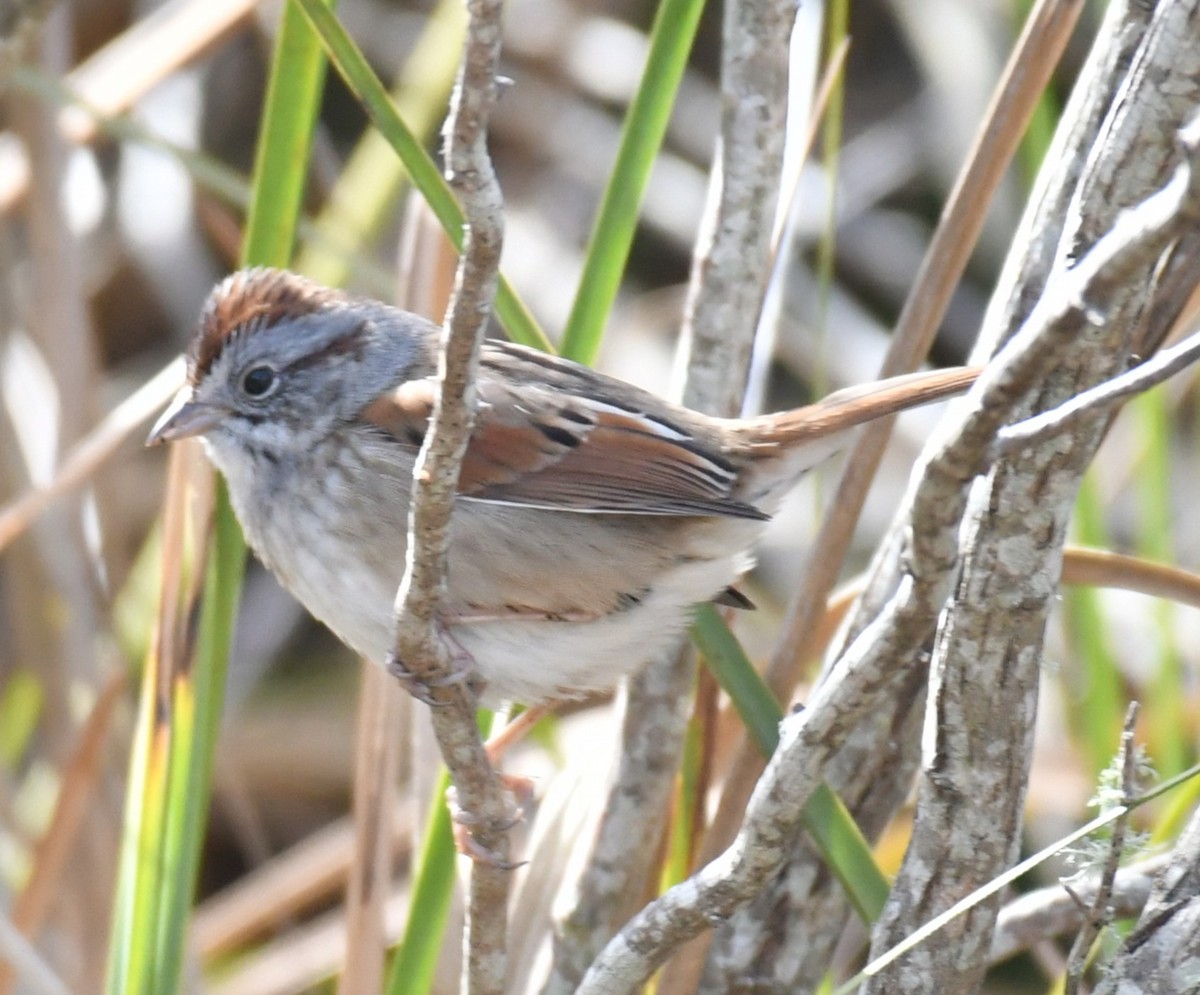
(853, 406)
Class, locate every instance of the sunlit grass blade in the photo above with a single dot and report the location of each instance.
(368, 188)
(686, 821)
(146, 948)
(834, 831)
(348, 59)
(416, 956)
(1167, 733)
(1097, 699)
(171, 768)
(200, 695)
(641, 137)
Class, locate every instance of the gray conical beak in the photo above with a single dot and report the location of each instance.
(183, 419)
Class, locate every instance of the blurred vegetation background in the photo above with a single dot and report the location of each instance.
(113, 230)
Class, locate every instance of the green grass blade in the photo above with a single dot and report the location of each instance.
(281, 161)
(129, 948)
(179, 716)
(641, 137)
(1168, 734)
(200, 697)
(1096, 696)
(680, 842)
(724, 656)
(363, 199)
(348, 59)
(416, 957)
(831, 826)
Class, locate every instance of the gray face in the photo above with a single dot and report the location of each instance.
(290, 384)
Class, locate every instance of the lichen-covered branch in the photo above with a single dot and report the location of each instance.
(804, 910)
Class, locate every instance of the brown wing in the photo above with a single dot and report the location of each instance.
(540, 447)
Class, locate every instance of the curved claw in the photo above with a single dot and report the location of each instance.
(462, 817)
(465, 842)
(424, 688)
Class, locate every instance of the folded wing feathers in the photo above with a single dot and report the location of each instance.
(586, 457)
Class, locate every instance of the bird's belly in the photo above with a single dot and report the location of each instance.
(528, 657)
(548, 605)
(538, 659)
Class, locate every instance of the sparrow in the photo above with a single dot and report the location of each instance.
(590, 515)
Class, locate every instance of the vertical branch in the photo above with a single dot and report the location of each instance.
(419, 640)
(733, 254)
(729, 275)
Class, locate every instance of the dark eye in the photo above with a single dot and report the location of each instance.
(259, 381)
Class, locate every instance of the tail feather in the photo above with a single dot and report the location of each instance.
(854, 406)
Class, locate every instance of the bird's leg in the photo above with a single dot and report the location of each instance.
(464, 840)
(514, 731)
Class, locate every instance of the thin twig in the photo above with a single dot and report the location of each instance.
(420, 643)
(1103, 568)
(1100, 398)
(1080, 566)
(1099, 913)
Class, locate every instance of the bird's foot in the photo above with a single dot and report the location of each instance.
(424, 688)
(466, 823)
